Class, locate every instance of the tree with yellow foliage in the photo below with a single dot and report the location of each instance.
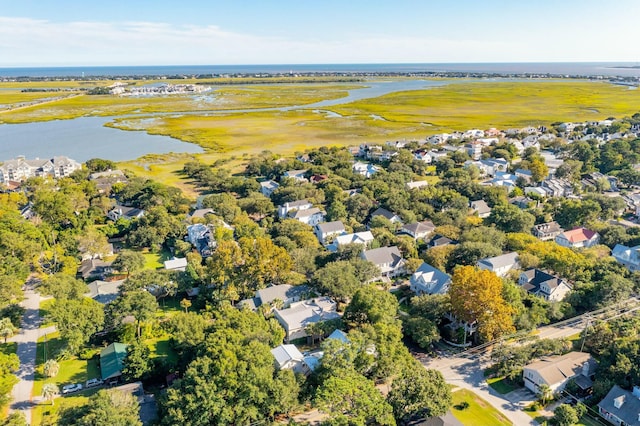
(476, 295)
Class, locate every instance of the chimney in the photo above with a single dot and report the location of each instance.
(636, 391)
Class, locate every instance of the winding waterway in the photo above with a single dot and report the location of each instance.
(87, 137)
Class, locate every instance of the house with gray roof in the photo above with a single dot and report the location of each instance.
(289, 357)
(104, 291)
(544, 284)
(621, 407)
(388, 259)
(201, 237)
(364, 238)
(94, 268)
(481, 208)
(268, 187)
(547, 231)
(392, 217)
(311, 216)
(557, 371)
(125, 212)
(329, 229)
(429, 280)
(297, 175)
(418, 230)
(200, 213)
(176, 264)
(500, 265)
(296, 318)
(20, 169)
(288, 207)
(628, 256)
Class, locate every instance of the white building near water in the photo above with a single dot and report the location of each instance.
(19, 169)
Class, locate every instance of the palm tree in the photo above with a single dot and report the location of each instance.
(6, 328)
(49, 391)
(545, 393)
(51, 368)
(185, 304)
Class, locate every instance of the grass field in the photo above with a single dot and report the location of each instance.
(478, 413)
(502, 385)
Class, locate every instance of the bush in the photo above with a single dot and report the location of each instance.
(14, 313)
(462, 406)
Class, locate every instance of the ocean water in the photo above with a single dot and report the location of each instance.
(607, 69)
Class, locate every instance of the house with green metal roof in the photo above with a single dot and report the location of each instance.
(112, 360)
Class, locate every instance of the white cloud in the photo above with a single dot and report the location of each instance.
(31, 42)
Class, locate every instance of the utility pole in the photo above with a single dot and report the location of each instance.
(586, 330)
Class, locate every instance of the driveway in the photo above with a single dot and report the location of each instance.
(27, 341)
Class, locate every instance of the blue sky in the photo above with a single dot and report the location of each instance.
(159, 32)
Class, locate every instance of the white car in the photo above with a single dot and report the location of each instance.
(93, 382)
(71, 388)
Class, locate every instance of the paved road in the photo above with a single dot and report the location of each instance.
(27, 340)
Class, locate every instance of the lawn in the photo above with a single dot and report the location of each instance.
(478, 413)
(72, 370)
(502, 385)
(155, 260)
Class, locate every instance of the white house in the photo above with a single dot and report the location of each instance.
(578, 238)
(365, 169)
(388, 259)
(312, 216)
(201, 238)
(417, 184)
(329, 229)
(418, 230)
(288, 357)
(297, 175)
(429, 280)
(500, 265)
(300, 315)
(286, 208)
(20, 168)
(557, 371)
(547, 231)
(621, 407)
(176, 264)
(481, 208)
(364, 238)
(392, 217)
(268, 187)
(628, 256)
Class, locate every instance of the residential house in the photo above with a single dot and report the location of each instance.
(522, 202)
(112, 361)
(417, 184)
(492, 166)
(423, 155)
(316, 179)
(201, 237)
(536, 191)
(108, 251)
(388, 259)
(104, 291)
(365, 169)
(340, 335)
(474, 149)
(557, 371)
(364, 238)
(481, 208)
(556, 187)
(440, 241)
(286, 208)
(94, 268)
(547, 231)
(20, 169)
(392, 217)
(500, 265)
(312, 216)
(446, 419)
(544, 284)
(268, 187)
(429, 280)
(578, 238)
(148, 411)
(621, 407)
(418, 230)
(296, 318)
(507, 180)
(124, 212)
(524, 174)
(105, 180)
(297, 175)
(628, 256)
(288, 357)
(200, 213)
(329, 229)
(176, 264)
(286, 294)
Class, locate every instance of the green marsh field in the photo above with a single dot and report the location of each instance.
(212, 119)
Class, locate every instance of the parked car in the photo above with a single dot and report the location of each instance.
(71, 388)
(93, 382)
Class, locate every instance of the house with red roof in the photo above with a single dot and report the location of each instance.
(578, 238)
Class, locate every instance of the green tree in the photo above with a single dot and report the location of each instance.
(77, 320)
(351, 399)
(107, 407)
(62, 287)
(7, 329)
(509, 218)
(140, 304)
(185, 304)
(15, 419)
(49, 391)
(338, 279)
(370, 306)
(137, 362)
(419, 392)
(565, 415)
(128, 261)
(51, 368)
